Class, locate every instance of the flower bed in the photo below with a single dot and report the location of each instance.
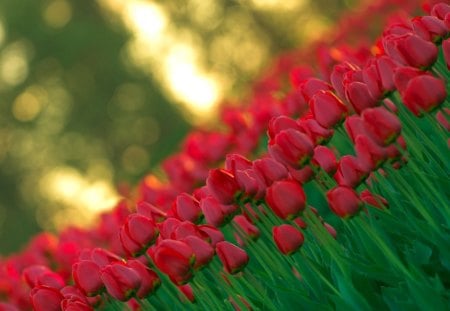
(344, 204)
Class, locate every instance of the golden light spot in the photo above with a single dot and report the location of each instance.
(197, 90)
(58, 13)
(146, 19)
(14, 64)
(2, 33)
(277, 4)
(65, 185)
(26, 107)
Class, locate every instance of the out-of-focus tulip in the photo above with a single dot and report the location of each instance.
(222, 185)
(149, 279)
(343, 201)
(286, 198)
(45, 298)
(138, 233)
(233, 258)
(318, 134)
(86, 275)
(291, 147)
(186, 207)
(381, 125)
(287, 238)
(350, 172)
(328, 110)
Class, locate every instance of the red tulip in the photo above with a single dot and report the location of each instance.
(121, 282)
(287, 238)
(328, 110)
(41, 275)
(176, 259)
(251, 184)
(186, 207)
(440, 10)
(149, 279)
(203, 251)
(187, 291)
(318, 134)
(313, 85)
(350, 172)
(45, 298)
(354, 126)
(446, 51)
(286, 198)
(343, 201)
(337, 77)
(302, 175)
(381, 125)
(429, 28)
(378, 75)
(86, 275)
(222, 185)
(246, 227)
(280, 123)
(235, 162)
(150, 211)
(373, 199)
(443, 119)
(369, 154)
(233, 258)
(325, 159)
(291, 147)
(270, 170)
(358, 95)
(137, 234)
(410, 50)
(216, 214)
(214, 234)
(423, 94)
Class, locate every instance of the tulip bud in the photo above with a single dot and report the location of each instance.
(203, 251)
(370, 155)
(214, 234)
(354, 126)
(233, 258)
(186, 207)
(350, 172)
(281, 123)
(446, 51)
(150, 211)
(291, 147)
(149, 279)
(187, 291)
(121, 282)
(410, 50)
(328, 110)
(313, 85)
(381, 125)
(176, 259)
(286, 198)
(223, 186)
(41, 275)
(216, 214)
(429, 28)
(343, 201)
(378, 75)
(318, 134)
(287, 238)
(270, 170)
(246, 227)
(86, 275)
(373, 199)
(325, 159)
(137, 234)
(45, 298)
(235, 162)
(358, 95)
(443, 120)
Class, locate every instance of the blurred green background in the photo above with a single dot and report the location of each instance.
(93, 93)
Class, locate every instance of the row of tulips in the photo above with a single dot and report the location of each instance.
(248, 237)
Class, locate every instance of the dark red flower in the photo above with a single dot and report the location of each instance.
(287, 238)
(270, 170)
(137, 234)
(370, 154)
(86, 275)
(186, 207)
(381, 125)
(45, 298)
(325, 159)
(318, 134)
(149, 279)
(121, 282)
(350, 172)
(328, 110)
(286, 198)
(203, 251)
(222, 185)
(343, 201)
(176, 259)
(233, 258)
(291, 147)
(373, 199)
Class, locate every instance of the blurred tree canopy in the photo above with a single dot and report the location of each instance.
(87, 94)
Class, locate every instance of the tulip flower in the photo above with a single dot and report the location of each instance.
(343, 201)
(287, 238)
(233, 258)
(446, 51)
(378, 75)
(350, 171)
(373, 199)
(246, 227)
(381, 125)
(370, 154)
(86, 275)
(149, 279)
(45, 298)
(328, 110)
(222, 185)
(429, 28)
(359, 96)
(311, 86)
(280, 123)
(318, 134)
(202, 250)
(325, 159)
(137, 234)
(176, 259)
(354, 126)
(214, 234)
(216, 214)
(235, 162)
(121, 282)
(186, 207)
(270, 170)
(286, 198)
(291, 147)
(41, 275)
